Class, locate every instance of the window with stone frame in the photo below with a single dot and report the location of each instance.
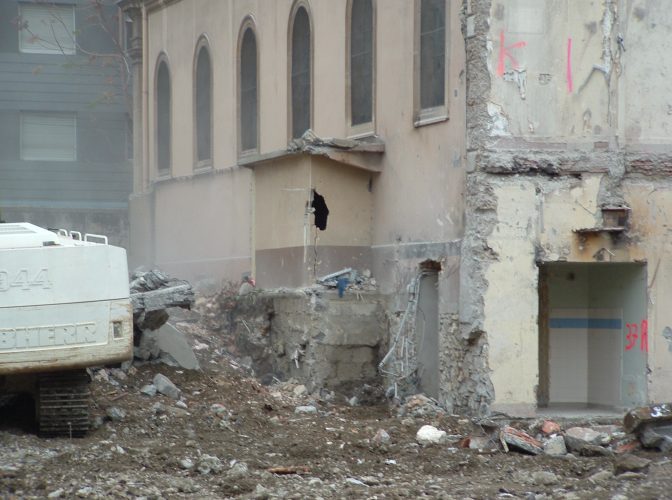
(361, 62)
(301, 72)
(431, 61)
(163, 118)
(203, 105)
(248, 94)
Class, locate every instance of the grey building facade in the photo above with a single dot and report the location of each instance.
(64, 122)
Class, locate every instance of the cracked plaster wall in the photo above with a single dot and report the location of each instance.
(566, 112)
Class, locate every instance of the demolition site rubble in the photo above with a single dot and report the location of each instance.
(215, 431)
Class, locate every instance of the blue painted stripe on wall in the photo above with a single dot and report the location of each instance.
(591, 323)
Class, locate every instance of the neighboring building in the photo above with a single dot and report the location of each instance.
(65, 142)
(474, 152)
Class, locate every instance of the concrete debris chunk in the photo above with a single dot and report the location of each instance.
(381, 437)
(600, 476)
(308, 409)
(521, 440)
(186, 464)
(588, 435)
(631, 463)
(544, 478)
(115, 414)
(428, 435)
(166, 387)
(555, 447)
(237, 471)
(420, 406)
(149, 390)
(656, 435)
(208, 464)
(480, 443)
(657, 413)
(170, 345)
(581, 440)
(153, 292)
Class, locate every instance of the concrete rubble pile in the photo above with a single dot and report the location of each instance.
(153, 294)
(646, 427)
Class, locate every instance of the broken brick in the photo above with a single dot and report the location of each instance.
(627, 447)
(549, 427)
(521, 440)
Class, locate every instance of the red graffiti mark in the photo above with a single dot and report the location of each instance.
(631, 335)
(505, 52)
(643, 336)
(570, 81)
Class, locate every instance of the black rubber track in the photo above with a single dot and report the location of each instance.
(62, 404)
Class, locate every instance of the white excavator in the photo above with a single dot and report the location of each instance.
(64, 307)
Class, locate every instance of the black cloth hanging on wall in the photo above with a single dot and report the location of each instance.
(321, 211)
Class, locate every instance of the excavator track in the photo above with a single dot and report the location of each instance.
(62, 404)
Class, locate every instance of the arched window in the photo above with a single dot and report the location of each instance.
(300, 71)
(430, 67)
(361, 60)
(248, 85)
(163, 118)
(203, 104)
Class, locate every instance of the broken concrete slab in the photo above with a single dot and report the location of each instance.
(555, 447)
(521, 440)
(656, 413)
(153, 292)
(652, 424)
(631, 463)
(585, 448)
(165, 386)
(656, 435)
(588, 435)
(172, 342)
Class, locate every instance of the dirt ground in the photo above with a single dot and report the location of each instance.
(231, 437)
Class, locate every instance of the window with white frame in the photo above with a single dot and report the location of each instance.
(46, 28)
(430, 61)
(48, 136)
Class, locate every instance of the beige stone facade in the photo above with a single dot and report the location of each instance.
(490, 210)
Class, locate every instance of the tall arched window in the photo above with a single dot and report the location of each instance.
(361, 60)
(248, 85)
(300, 71)
(430, 65)
(163, 118)
(203, 104)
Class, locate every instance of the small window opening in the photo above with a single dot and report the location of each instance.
(320, 211)
(117, 329)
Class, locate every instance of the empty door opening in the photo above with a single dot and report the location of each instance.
(593, 332)
(427, 329)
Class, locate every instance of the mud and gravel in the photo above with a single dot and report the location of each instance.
(231, 437)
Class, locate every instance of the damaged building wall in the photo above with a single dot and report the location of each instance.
(310, 335)
(563, 119)
(391, 209)
(289, 249)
